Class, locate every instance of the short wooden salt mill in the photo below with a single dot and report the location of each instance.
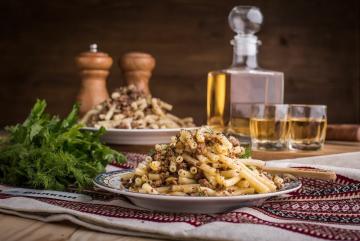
(137, 68)
(94, 69)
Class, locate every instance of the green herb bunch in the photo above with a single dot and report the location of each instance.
(50, 153)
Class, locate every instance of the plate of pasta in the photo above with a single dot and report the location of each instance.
(200, 171)
(137, 136)
(130, 117)
(182, 203)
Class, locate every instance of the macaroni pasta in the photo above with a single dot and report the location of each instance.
(201, 162)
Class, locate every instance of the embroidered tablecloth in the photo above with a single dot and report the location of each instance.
(319, 210)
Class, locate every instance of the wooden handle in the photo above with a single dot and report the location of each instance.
(296, 171)
(302, 172)
(94, 69)
(344, 132)
(137, 69)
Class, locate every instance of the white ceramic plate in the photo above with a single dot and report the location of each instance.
(137, 136)
(110, 181)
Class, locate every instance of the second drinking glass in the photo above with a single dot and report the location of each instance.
(269, 126)
(307, 127)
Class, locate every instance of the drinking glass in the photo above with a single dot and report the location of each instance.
(307, 127)
(240, 119)
(269, 126)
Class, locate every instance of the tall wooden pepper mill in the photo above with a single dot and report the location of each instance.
(94, 69)
(137, 68)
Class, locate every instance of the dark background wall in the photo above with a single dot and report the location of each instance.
(316, 44)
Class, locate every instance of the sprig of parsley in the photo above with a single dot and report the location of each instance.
(247, 153)
(50, 153)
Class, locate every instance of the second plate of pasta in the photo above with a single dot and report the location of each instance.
(137, 136)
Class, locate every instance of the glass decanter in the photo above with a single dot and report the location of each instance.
(232, 91)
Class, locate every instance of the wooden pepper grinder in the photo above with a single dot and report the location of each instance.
(137, 68)
(94, 69)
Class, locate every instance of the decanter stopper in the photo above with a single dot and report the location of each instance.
(94, 69)
(245, 21)
(137, 68)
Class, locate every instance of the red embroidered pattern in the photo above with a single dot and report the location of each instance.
(315, 230)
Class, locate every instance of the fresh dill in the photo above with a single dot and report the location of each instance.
(49, 153)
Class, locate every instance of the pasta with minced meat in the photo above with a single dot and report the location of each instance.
(200, 162)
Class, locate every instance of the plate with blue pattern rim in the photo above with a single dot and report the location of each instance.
(110, 181)
(138, 136)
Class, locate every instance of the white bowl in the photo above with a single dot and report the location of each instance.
(137, 136)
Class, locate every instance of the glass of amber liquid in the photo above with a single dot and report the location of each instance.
(240, 119)
(307, 127)
(269, 126)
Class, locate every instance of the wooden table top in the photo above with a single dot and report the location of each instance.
(331, 147)
(19, 229)
(14, 228)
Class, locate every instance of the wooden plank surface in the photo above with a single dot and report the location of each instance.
(14, 228)
(315, 43)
